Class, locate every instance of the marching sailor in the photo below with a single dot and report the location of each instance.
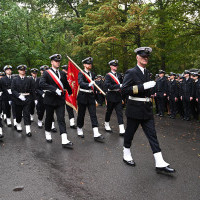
(55, 82)
(113, 84)
(86, 99)
(139, 111)
(7, 95)
(34, 72)
(23, 91)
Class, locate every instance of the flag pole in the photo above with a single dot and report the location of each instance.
(86, 75)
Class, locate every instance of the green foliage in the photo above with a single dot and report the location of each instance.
(32, 30)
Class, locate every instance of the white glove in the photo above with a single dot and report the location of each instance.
(91, 83)
(10, 102)
(22, 97)
(1, 93)
(120, 85)
(43, 95)
(36, 102)
(9, 91)
(149, 84)
(58, 92)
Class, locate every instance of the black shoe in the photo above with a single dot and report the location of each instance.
(19, 131)
(121, 134)
(188, 119)
(165, 169)
(73, 127)
(161, 115)
(49, 140)
(131, 163)
(99, 139)
(109, 131)
(40, 126)
(68, 145)
(10, 125)
(29, 134)
(81, 136)
(54, 130)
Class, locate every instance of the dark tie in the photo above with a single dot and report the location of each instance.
(57, 73)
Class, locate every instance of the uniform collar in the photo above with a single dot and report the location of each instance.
(141, 68)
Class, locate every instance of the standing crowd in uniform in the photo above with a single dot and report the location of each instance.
(22, 95)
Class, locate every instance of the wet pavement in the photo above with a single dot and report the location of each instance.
(38, 170)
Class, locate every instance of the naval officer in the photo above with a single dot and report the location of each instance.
(139, 111)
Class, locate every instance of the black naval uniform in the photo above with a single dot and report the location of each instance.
(197, 95)
(1, 92)
(160, 90)
(172, 94)
(86, 99)
(139, 112)
(40, 107)
(194, 103)
(7, 98)
(53, 101)
(113, 97)
(186, 93)
(25, 87)
(32, 105)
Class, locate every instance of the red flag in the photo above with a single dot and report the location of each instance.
(72, 77)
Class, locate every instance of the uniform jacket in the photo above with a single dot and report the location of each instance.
(137, 109)
(83, 97)
(39, 92)
(172, 91)
(161, 86)
(197, 92)
(186, 90)
(34, 82)
(1, 92)
(22, 86)
(110, 84)
(47, 83)
(6, 84)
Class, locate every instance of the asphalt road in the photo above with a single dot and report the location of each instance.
(43, 171)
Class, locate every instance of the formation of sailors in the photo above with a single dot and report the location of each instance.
(22, 95)
(178, 94)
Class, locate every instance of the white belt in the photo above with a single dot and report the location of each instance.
(114, 90)
(146, 99)
(25, 94)
(88, 91)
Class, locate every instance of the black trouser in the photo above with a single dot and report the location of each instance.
(156, 103)
(100, 98)
(173, 106)
(60, 113)
(13, 109)
(40, 107)
(26, 113)
(148, 127)
(161, 103)
(32, 107)
(194, 108)
(187, 108)
(6, 108)
(1, 112)
(180, 108)
(81, 114)
(70, 112)
(118, 108)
